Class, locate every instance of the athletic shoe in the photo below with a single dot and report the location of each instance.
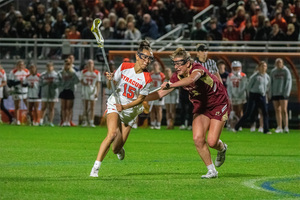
(121, 154)
(212, 173)
(221, 156)
(233, 130)
(72, 124)
(189, 128)
(94, 172)
(151, 127)
(84, 124)
(182, 127)
(157, 127)
(18, 123)
(268, 133)
(260, 129)
(278, 130)
(240, 129)
(92, 125)
(252, 129)
(286, 129)
(51, 124)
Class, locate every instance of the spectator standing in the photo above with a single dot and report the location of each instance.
(16, 80)
(3, 82)
(156, 106)
(209, 64)
(258, 87)
(90, 80)
(281, 85)
(49, 82)
(236, 89)
(170, 102)
(34, 96)
(68, 79)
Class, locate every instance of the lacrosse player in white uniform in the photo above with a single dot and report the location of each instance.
(3, 82)
(236, 88)
(15, 80)
(90, 80)
(133, 83)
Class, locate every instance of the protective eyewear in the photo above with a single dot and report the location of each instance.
(180, 62)
(145, 57)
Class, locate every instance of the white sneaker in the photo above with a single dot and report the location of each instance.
(121, 154)
(212, 173)
(221, 157)
(18, 123)
(252, 129)
(51, 124)
(286, 129)
(152, 127)
(92, 125)
(260, 129)
(94, 172)
(278, 130)
(182, 127)
(240, 129)
(189, 128)
(84, 124)
(157, 127)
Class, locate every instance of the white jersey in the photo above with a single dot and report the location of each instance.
(237, 87)
(91, 79)
(17, 76)
(33, 86)
(2, 79)
(49, 82)
(157, 79)
(129, 86)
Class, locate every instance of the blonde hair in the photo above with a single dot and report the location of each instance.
(180, 52)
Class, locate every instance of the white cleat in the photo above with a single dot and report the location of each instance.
(182, 127)
(121, 154)
(212, 173)
(260, 130)
(157, 127)
(278, 130)
(84, 124)
(221, 157)
(252, 129)
(94, 172)
(92, 125)
(286, 130)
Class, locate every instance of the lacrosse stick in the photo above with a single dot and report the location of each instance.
(100, 41)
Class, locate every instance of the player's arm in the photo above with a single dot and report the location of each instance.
(158, 95)
(98, 89)
(196, 74)
(136, 102)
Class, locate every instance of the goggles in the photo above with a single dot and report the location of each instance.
(180, 62)
(145, 57)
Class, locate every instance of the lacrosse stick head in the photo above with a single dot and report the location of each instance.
(96, 31)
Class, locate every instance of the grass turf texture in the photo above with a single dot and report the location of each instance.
(54, 163)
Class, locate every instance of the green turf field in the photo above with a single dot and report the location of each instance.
(54, 163)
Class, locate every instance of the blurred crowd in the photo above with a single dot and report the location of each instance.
(259, 20)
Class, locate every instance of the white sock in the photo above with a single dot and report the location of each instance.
(211, 167)
(97, 164)
(91, 122)
(153, 123)
(41, 121)
(158, 123)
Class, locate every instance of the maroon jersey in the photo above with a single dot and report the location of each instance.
(207, 93)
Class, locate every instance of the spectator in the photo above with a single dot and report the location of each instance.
(239, 18)
(71, 11)
(49, 81)
(291, 34)
(176, 15)
(29, 13)
(68, 79)
(74, 34)
(261, 32)
(59, 25)
(258, 87)
(277, 9)
(276, 34)
(214, 31)
(40, 12)
(120, 29)
(263, 7)
(16, 80)
(12, 14)
(163, 11)
(106, 30)
(47, 34)
(202, 58)
(231, 33)
(160, 21)
(20, 25)
(254, 18)
(8, 32)
(281, 85)
(34, 98)
(90, 80)
(296, 23)
(55, 9)
(112, 19)
(88, 35)
(132, 33)
(149, 28)
(236, 89)
(118, 7)
(156, 106)
(295, 8)
(199, 33)
(249, 32)
(222, 71)
(48, 19)
(3, 82)
(280, 21)
(170, 102)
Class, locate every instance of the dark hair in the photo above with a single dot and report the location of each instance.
(144, 45)
(220, 62)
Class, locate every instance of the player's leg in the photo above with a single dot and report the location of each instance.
(152, 116)
(30, 116)
(43, 111)
(120, 140)
(158, 109)
(277, 109)
(36, 114)
(264, 108)
(51, 112)
(284, 113)
(85, 112)
(17, 108)
(63, 111)
(172, 114)
(92, 113)
(113, 125)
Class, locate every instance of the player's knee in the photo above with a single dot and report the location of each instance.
(212, 143)
(111, 136)
(199, 141)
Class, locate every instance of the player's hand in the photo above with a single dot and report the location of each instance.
(119, 107)
(109, 76)
(165, 86)
(96, 95)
